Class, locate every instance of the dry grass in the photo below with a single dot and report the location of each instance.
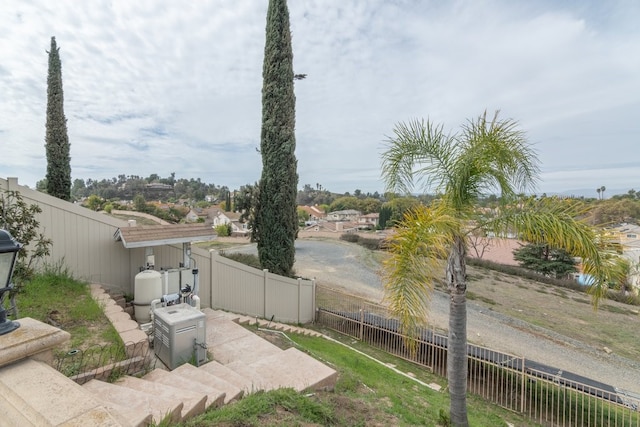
(564, 311)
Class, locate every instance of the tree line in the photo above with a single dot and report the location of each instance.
(622, 208)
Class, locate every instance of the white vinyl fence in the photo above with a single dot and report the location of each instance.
(246, 290)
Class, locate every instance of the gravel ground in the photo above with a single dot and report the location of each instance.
(337, 264)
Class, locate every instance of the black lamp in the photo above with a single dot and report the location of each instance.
(9, 249)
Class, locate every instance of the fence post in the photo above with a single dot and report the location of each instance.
(361, 321)
(264, 292)
(212, 274)
(432, 356)
(299, 286)
(313, 300)
(522, 387)
(12, 184)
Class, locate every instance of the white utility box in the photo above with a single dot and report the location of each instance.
(180, 335)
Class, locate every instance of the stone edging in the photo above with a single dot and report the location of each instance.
(127, 328)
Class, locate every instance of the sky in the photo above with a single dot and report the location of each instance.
(155, 86)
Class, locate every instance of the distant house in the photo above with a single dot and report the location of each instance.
(196, 215)
(369, 220)
(333, 226)
(315, 214)
(158, 186)
(344, 221)
(350, 215)
(221, 217)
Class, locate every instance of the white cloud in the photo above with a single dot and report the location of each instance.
(161, 87)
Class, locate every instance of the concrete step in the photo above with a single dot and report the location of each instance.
(246, 320)
(293, 368)
(263, 323)
(259, 381)
(102, 417)
(219, 370)
(283, 327)
(12, 415)
(140, 402)
(194, 402)
(215, 397)
(33, 393)
(229, 342)
(231, 391)
(214, 314)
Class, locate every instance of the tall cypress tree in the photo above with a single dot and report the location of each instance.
(56, 139)
(276, 216)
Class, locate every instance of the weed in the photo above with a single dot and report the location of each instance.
(615, 309)
(347, 383)
(443, 418)
(55, 297)
(80, 334)
(247, 259)
(286, 403)
(115, 374)
(110, 334)
(472, 296)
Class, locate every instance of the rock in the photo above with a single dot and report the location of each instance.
(434, 386)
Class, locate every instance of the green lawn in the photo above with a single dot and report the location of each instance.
(367, 393)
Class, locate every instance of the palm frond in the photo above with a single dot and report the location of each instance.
(560, 224)
(494, 156)
(419, 153)
(418, 253)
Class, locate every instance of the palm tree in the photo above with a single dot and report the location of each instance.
(487, 156)
(602, 190)
(599, 190)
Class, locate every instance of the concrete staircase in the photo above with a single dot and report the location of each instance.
(34, 394)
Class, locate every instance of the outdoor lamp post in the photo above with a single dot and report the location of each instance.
(8, 252)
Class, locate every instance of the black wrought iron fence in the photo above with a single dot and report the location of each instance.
(515, 383)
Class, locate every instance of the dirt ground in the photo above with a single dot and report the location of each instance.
(551, 325)
(614, 327)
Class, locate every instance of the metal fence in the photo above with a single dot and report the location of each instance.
(506, 380)
(106, 362)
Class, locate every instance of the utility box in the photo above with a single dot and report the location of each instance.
(180, 335)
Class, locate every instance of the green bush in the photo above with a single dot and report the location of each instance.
(246, 259)
(223, 230)
(251, 260)
(350, 237)
(370, 243)
(20, 220)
